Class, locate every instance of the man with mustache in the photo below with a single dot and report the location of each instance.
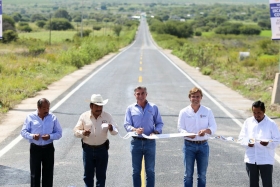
(41, 128)
(92, 127)
(259, 156)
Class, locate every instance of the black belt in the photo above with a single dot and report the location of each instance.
(196, 142)
(94, 146)
(139, 138)
(42, 146)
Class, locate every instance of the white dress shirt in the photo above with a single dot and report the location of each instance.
(264, 130)
(192, 122)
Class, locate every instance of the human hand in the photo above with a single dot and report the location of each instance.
(251, 145)
(86, 132)
(36, 136)
(264, 143)
(155, 132)
(139, 130)
(203, 132)
(110, 127)
(192, 137)
(45, 137)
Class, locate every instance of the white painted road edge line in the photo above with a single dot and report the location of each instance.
(277, 157)
(19, 138)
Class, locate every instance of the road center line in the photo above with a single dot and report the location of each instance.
(277, 157)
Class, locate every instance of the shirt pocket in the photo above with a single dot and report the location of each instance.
(203, 121)
(88, 125)
(35, 127)
(136, 116)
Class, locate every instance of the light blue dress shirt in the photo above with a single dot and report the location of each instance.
(33, 124)
(148, 118)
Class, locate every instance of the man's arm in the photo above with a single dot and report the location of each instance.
(158, 121)
(112, 126)
(128, 123)
(57, 130)
(26, 130)
(79, 130)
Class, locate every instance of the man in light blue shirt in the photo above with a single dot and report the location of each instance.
(143, 117)
(41, 128)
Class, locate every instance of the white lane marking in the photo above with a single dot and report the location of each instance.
(277, 157)
(19, 138)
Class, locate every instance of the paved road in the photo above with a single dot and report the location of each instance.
(168, 80)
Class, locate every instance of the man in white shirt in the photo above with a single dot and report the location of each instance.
(260, 136)
(198, 119)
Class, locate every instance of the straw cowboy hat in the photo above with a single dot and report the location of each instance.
(98, 100)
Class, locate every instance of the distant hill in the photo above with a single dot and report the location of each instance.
(136, 1)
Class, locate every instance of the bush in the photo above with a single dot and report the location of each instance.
(86, 33)
(197, 33)
(25, 28)
(37, 17)
(8, 23)
(41, 23)
(36, 50)
(9, 36)
(250, 30)
(117, 29)
(59, 24)
(96, 27)
(206, 71)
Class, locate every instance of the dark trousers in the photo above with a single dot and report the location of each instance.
(254, 171)
(41, 157)
(95, 163)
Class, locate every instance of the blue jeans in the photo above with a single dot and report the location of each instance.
(95, 161)
(199, 153)
(146, 148)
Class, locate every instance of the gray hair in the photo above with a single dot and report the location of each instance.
(140, 88)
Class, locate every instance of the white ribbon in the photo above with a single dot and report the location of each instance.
(175, 135)
(172, 135)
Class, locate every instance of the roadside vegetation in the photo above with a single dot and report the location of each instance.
(212, 42)
(44, 41)
(50, 48)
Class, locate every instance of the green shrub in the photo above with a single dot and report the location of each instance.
(206, 71)
(25, 28)
(9, 36)
(36, 50)
(41, 23)
(96, 27)
(197, 33)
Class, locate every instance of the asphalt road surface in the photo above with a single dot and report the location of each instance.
(139, 64)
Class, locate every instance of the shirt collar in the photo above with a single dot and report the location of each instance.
(136, 104)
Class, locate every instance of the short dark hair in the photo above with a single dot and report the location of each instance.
(140, 88)
(41, 101)
(259, 104)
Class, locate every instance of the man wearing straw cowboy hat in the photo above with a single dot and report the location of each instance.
(92, 127)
